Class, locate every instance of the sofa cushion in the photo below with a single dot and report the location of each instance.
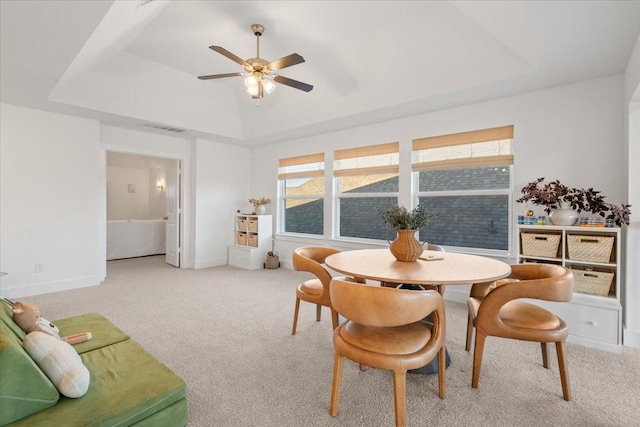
(24, 388)
(103, 332)
(59, 361)
(127, 385)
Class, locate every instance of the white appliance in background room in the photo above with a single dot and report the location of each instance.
(143, 212)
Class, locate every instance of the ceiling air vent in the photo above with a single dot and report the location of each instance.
(163, 127)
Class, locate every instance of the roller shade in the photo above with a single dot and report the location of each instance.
(487, 147)
(311, 165)
(373, 159)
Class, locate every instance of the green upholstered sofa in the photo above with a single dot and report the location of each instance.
(128, 385)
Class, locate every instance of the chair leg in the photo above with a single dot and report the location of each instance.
(334, 318)
(545, 355)
(335, 386)
(477, 358)
(318, 312)
(442, 372)
(467, 345)
(400, 397)
(295, 317)
(561, 349)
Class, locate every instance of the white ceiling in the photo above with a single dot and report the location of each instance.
(134, 62)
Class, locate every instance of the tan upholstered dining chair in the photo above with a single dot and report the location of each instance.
(384, 330)
(316, 290)
(493, 311)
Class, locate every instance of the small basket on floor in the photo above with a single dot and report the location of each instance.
(272, 260)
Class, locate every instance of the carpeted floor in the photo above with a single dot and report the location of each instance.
(227, 333)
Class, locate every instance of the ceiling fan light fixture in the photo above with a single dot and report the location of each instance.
(253, 90)
(268, 85)
(251, 81)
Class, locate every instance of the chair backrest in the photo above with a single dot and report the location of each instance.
(536, 281)
(311, 259)
(382, 306)
(430, 247)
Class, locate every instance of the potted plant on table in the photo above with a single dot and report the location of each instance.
(555, 196)
(406, 247)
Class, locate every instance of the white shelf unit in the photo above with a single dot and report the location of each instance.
(253, 240)
(594, 320)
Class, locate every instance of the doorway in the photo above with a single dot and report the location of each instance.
(143, 206)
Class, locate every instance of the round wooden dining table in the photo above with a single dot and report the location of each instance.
(432, 268)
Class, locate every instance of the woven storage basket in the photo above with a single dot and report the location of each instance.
(543, 245)
(592, 282)
(253, 240)
(242, 224)
(252, 225)
(589, 248)
(242, 238)
(272, 260)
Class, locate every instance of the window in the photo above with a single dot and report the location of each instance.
(466, 179)
(302, 194)
(366, 180)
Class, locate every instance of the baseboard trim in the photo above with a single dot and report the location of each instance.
(49, 287)
(215, 262)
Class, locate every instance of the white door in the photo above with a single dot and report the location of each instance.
(173, 215)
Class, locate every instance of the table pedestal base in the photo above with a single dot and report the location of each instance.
(431, 367)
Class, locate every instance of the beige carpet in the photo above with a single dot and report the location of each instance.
(226, 331)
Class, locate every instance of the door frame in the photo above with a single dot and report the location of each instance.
(185, 218)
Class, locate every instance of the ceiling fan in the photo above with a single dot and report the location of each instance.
(260, 73)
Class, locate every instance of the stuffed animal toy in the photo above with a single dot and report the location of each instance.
(28, 317)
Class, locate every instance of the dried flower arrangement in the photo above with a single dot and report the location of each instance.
(260, 201)
(552, 194)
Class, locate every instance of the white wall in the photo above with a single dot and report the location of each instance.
(147, 202)
(221, 188)
(573, 133)
(121, 203)
(53, 197)
(50, 206)
(157, 196)
(631, 331)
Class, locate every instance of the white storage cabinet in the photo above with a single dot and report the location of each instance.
(253, 240)
(594, 315)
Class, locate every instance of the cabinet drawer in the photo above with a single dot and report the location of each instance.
(239, 256)
(595, 323)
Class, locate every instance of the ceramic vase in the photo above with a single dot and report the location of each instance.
(406, 247)
(260, 209)
(563, 216)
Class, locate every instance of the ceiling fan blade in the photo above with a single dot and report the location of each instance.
(293, 83)
(286, 61)
(231, 56)
(218, 76)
